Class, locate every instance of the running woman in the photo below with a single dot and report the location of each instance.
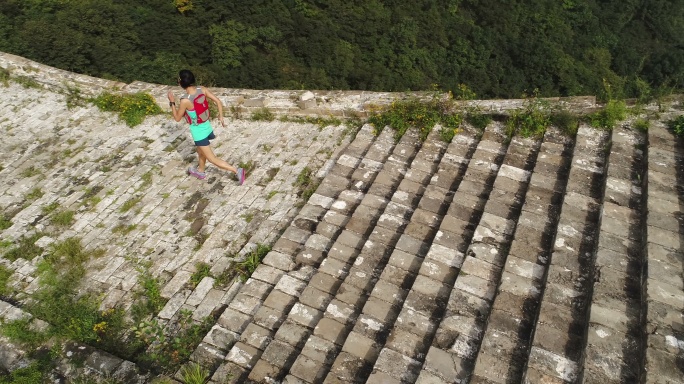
(195, 107)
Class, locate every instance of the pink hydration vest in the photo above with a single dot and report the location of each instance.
(200, 104)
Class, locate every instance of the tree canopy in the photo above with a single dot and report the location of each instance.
(497, 48)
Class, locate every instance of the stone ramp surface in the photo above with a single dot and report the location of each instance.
(131, 196)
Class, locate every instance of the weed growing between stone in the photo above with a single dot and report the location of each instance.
(4, 222)
(149, 301)
(642, 125)
(321, 122)
(48, 209)
(26, 82)
(530, 121)
(68, 314)
(566, 122)
(132, 108)
(270, 195)
(5, 289)
(62, 218)
(306, 184)
(202, 270)
(246, 267)
(414, 113)
(248, 166)
(262, 114)
(30, 172)
(194, 374)
(25, 248)
(477, 119)
(4, 76)
(34, 194)
(73, 97)
(124, 229)
(130, 203)
(677, 126)
(606, 118)
(166, 353)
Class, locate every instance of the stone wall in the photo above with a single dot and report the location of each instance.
(279, 102)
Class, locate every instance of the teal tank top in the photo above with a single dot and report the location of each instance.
(198, 131)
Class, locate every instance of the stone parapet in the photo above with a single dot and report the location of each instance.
(342, 104)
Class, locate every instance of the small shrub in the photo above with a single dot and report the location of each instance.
(464, 93)
(202, 270)
(71, 316)
(31, 374)
(644, 91)
(642, 125)
(606, 118)
(677, 126)
(63, 218)
(263, 114)
(132, 108)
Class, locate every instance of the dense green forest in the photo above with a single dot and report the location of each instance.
(504, 48)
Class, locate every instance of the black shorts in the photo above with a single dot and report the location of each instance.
(204, 142)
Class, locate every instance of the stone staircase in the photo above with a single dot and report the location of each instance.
(479, 261)
(483, 260)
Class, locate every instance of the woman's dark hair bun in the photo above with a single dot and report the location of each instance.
(186, 78)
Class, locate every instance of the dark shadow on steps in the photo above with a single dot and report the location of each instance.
(679, 164)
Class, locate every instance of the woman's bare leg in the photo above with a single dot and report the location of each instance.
(209, 156)
(202, 160)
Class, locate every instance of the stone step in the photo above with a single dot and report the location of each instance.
(429, 277)
(614, 346)
(345, 288)
(266, 294)
(558, 337)
(364, 327)
(296, 315)
(508, 323)
(663, 280)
